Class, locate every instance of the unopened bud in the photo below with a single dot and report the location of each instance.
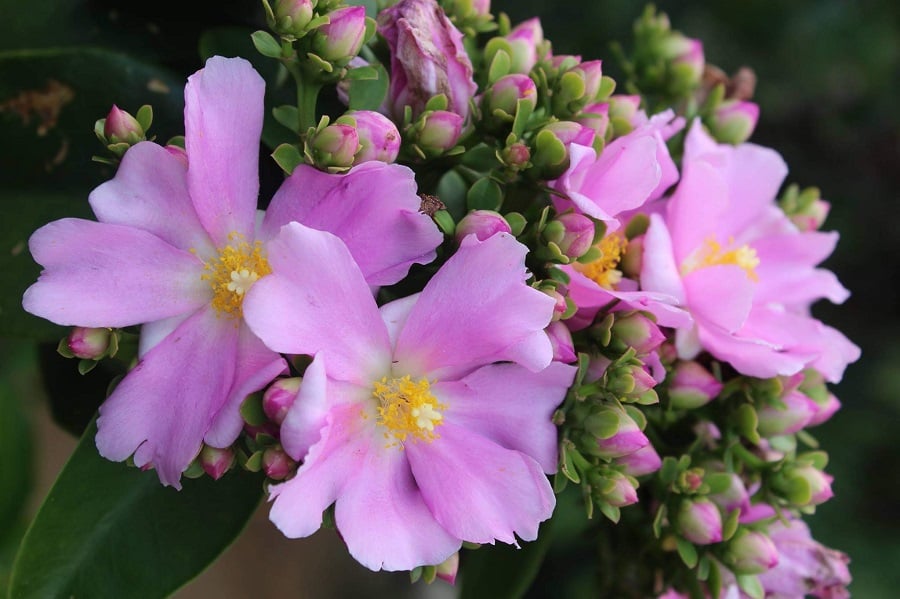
(751, 552)
(439, 131)
(505, 94)
(447, 569)
(596, 118)
(734, 497)
(789, 414)
(292, 16)
(121, 127)
(378, 137)
(277, 464)
(617, 434)
(516, 156)
(524, 40)
(692, 386)
(89, 343)
(216, 462)
(570, 132)
(482, 224)
(341, 39)
(334, 146)
(561, 342)
(734, 121)
(615, 488)
(279, 397)
(687, 57)
(643, 461)
(699, 521)
(578, 234)
(637, 331)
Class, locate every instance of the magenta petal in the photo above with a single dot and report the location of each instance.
(299, 503)
(478, 490)
(150, 192)
(317, 300)
(721, 295)
(162, 409)
(477, 309)
(382, 517)
(696, 210)
(510, 406)
(223, 114)
(101, 275)
(256, 367)
(373, 208)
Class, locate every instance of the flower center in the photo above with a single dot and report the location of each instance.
(231, 274)
(603, 270)
(406, 408)
(711, 253)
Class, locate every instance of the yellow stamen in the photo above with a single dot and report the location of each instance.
(407, 408)
(603, 270)
(711, 253)
(231, 274)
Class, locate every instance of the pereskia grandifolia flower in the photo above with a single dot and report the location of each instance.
(741, 268)
(426, 422)
(176, 248)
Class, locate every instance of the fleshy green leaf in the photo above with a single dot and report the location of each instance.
(265, 44)
(106, 530)
(368, 93)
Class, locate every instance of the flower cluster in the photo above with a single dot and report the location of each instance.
(490, 269)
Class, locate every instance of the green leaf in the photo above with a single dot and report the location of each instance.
(687, 552)
(106, 530)
(485, 194)
(368, 93)
(288, 157)
(265, 44)
(16, 375)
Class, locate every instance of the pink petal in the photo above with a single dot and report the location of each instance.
(373, 208)
(317, 300)
(510, 406)
(786, 269)
(477, 309)
(101, 275)
(720, 295)
(659, 272)
(697, 209)
(382, 517)
(162, 409)
(150, 192)
(223, 116)
(255, 368)
(479, 491)
(754, 176)
(395, 313)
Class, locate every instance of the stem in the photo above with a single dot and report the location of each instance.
(307, 95)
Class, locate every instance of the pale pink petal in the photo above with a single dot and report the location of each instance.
(317, 300)
(299, 503)
(256, 367)
(479, 491)
(751, 354)
(754, 176)
(150, 192)
(395, 314)
(154, 332)
(477, 309)
(373, 208)
(162, 409)
(223, 114)
(101, 275)
(659, 271)
(720, 295)
(382, 517)
(510, 406)
(696, 209)
(786, 273)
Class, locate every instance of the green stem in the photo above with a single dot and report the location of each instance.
(307, 96)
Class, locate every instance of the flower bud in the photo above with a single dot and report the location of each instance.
(88, 343)
(734, 121)
(578, 234)
(805, 485)
(378, 137)
(616, 432)
(216, 462)
(643, 461)
(341, 39)
(596, 118)
(637, 331)
(516, 156)
(734, 497)
(813, 216)
(439, 131)
(277, 464)
(292, 16)
(447, 569)
(427, 57)
(524, 40)
(592, 75)
(625, 108)
(121, 127)
(570, 132)
(692, 386)
(614, 488)
(334, 146)
(756, 512)
(279, 397)
(699, 521)
(687, 54)
(794, 414)
(751, 552)
(561, 342)
(482, 224)
(507, 91)
(825, 410)
(178, 152)
(560, 307)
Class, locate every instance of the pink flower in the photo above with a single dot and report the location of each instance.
(805, 567)
(177, 248)
(741, 268)
(427, 57)
(428, 421)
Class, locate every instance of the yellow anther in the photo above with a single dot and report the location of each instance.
(711, 253)
(231, 274)
(407, 408)
(603, 270)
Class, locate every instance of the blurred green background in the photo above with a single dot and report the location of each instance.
(828, 85)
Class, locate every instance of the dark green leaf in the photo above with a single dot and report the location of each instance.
(107, 530)
(368, 94)
(485, 194)
(16, 376)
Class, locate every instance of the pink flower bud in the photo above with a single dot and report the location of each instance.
(692, 386)
(734, 497)
(378, 137)
(643, 461)
(507, 91)
(688, 52)
(699, 521)
(795, 413)
(569, 132)
(561, 342)
(627, 437)
(88, 343)
(592, 74)
(277, 464)
(440, 131)
(524, 39)
(578, 236)
(482, 224)
(637, 331)
(751, 552)
(734, 121)
(560, 307)
(279, 397)
(292, 16)
(616, 489)
(625, 107)
(335, 145)
(340, 39)
(121, 127)
(216, 462)
(516, 156)
(447, 569)
(813, 217)
(819, 483)
(596, 118)
(825, 410)
(427, 57)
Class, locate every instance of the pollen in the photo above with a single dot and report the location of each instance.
(231, 274)
(711, 253)
(407, 409)
(603, 270)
